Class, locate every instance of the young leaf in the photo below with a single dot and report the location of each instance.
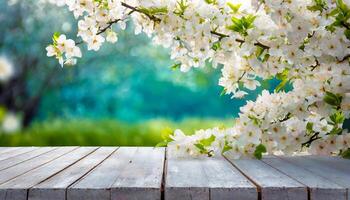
(234, 7)
(207, 142)
(333, 99)
(259, 150)
(226, 148)
(175, 66)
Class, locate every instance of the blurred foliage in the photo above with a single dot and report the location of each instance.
(131, 80)
(103, 132)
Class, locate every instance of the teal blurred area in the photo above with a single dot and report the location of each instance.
(124, 85)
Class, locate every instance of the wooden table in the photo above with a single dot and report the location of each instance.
(100, 173)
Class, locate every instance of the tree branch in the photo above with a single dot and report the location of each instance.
(221, 35)
(344, 59)
(151, 17)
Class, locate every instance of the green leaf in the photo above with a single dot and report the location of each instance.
(243, 24)
(347, 33)
(319, 5)
(234, 7)
(207, 142)
(55, 37)
(181, 7)
(282, 85)
(216, 46)
(283, 75)
(336, 131)
(259, 150)
(211, 1)
(333, 99)
(223, 92)
(338, 117)
(346, 154)
(201, 148)
(226, 147)
(309, 127)
(255, 120)
(175, 66)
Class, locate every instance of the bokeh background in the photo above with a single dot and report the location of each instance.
(125, 94)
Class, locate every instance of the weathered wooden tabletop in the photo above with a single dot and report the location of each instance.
(100, 173)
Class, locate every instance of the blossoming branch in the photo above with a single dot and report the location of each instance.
(303, 43)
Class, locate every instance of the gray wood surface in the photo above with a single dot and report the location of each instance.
(148, 163)
(4, 164)
(205, 178)
(273, 184)
(21, 168)
(132, 173)
(335, 162)
(8, 149)
(322, 169)
(16, 152)
(20, 185)
(320, 188)
(54, 188)
(115, 177)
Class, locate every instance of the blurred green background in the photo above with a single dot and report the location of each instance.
(125, 94)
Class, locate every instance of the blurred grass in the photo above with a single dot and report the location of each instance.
(103, 132)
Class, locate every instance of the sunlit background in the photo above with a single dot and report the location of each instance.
(125, 94)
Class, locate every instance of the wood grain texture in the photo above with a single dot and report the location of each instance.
(205, 178)
(4, 164)
(335, 162)
(5, 150)
(54, 188)
(17, 170)
(103, 182)
(20, 185)
(322, 169)
(16, 152)
(142, 177)
(320, 188)
(273, 184)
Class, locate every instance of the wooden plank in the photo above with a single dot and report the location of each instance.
(12, 172)
(98, 183)
(142, 177)
(205, 178)
(327, 171)
(273, 184)
(16, 189)
(16, 152)
(8, 149)
(333, 161)
(320, 188)
(4, 164)
(54, 188)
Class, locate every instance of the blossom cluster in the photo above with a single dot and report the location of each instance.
(303, 43)
(65, 50)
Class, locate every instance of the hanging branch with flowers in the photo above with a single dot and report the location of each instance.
(303, 43)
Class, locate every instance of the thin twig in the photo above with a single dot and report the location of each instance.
(221, 35)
